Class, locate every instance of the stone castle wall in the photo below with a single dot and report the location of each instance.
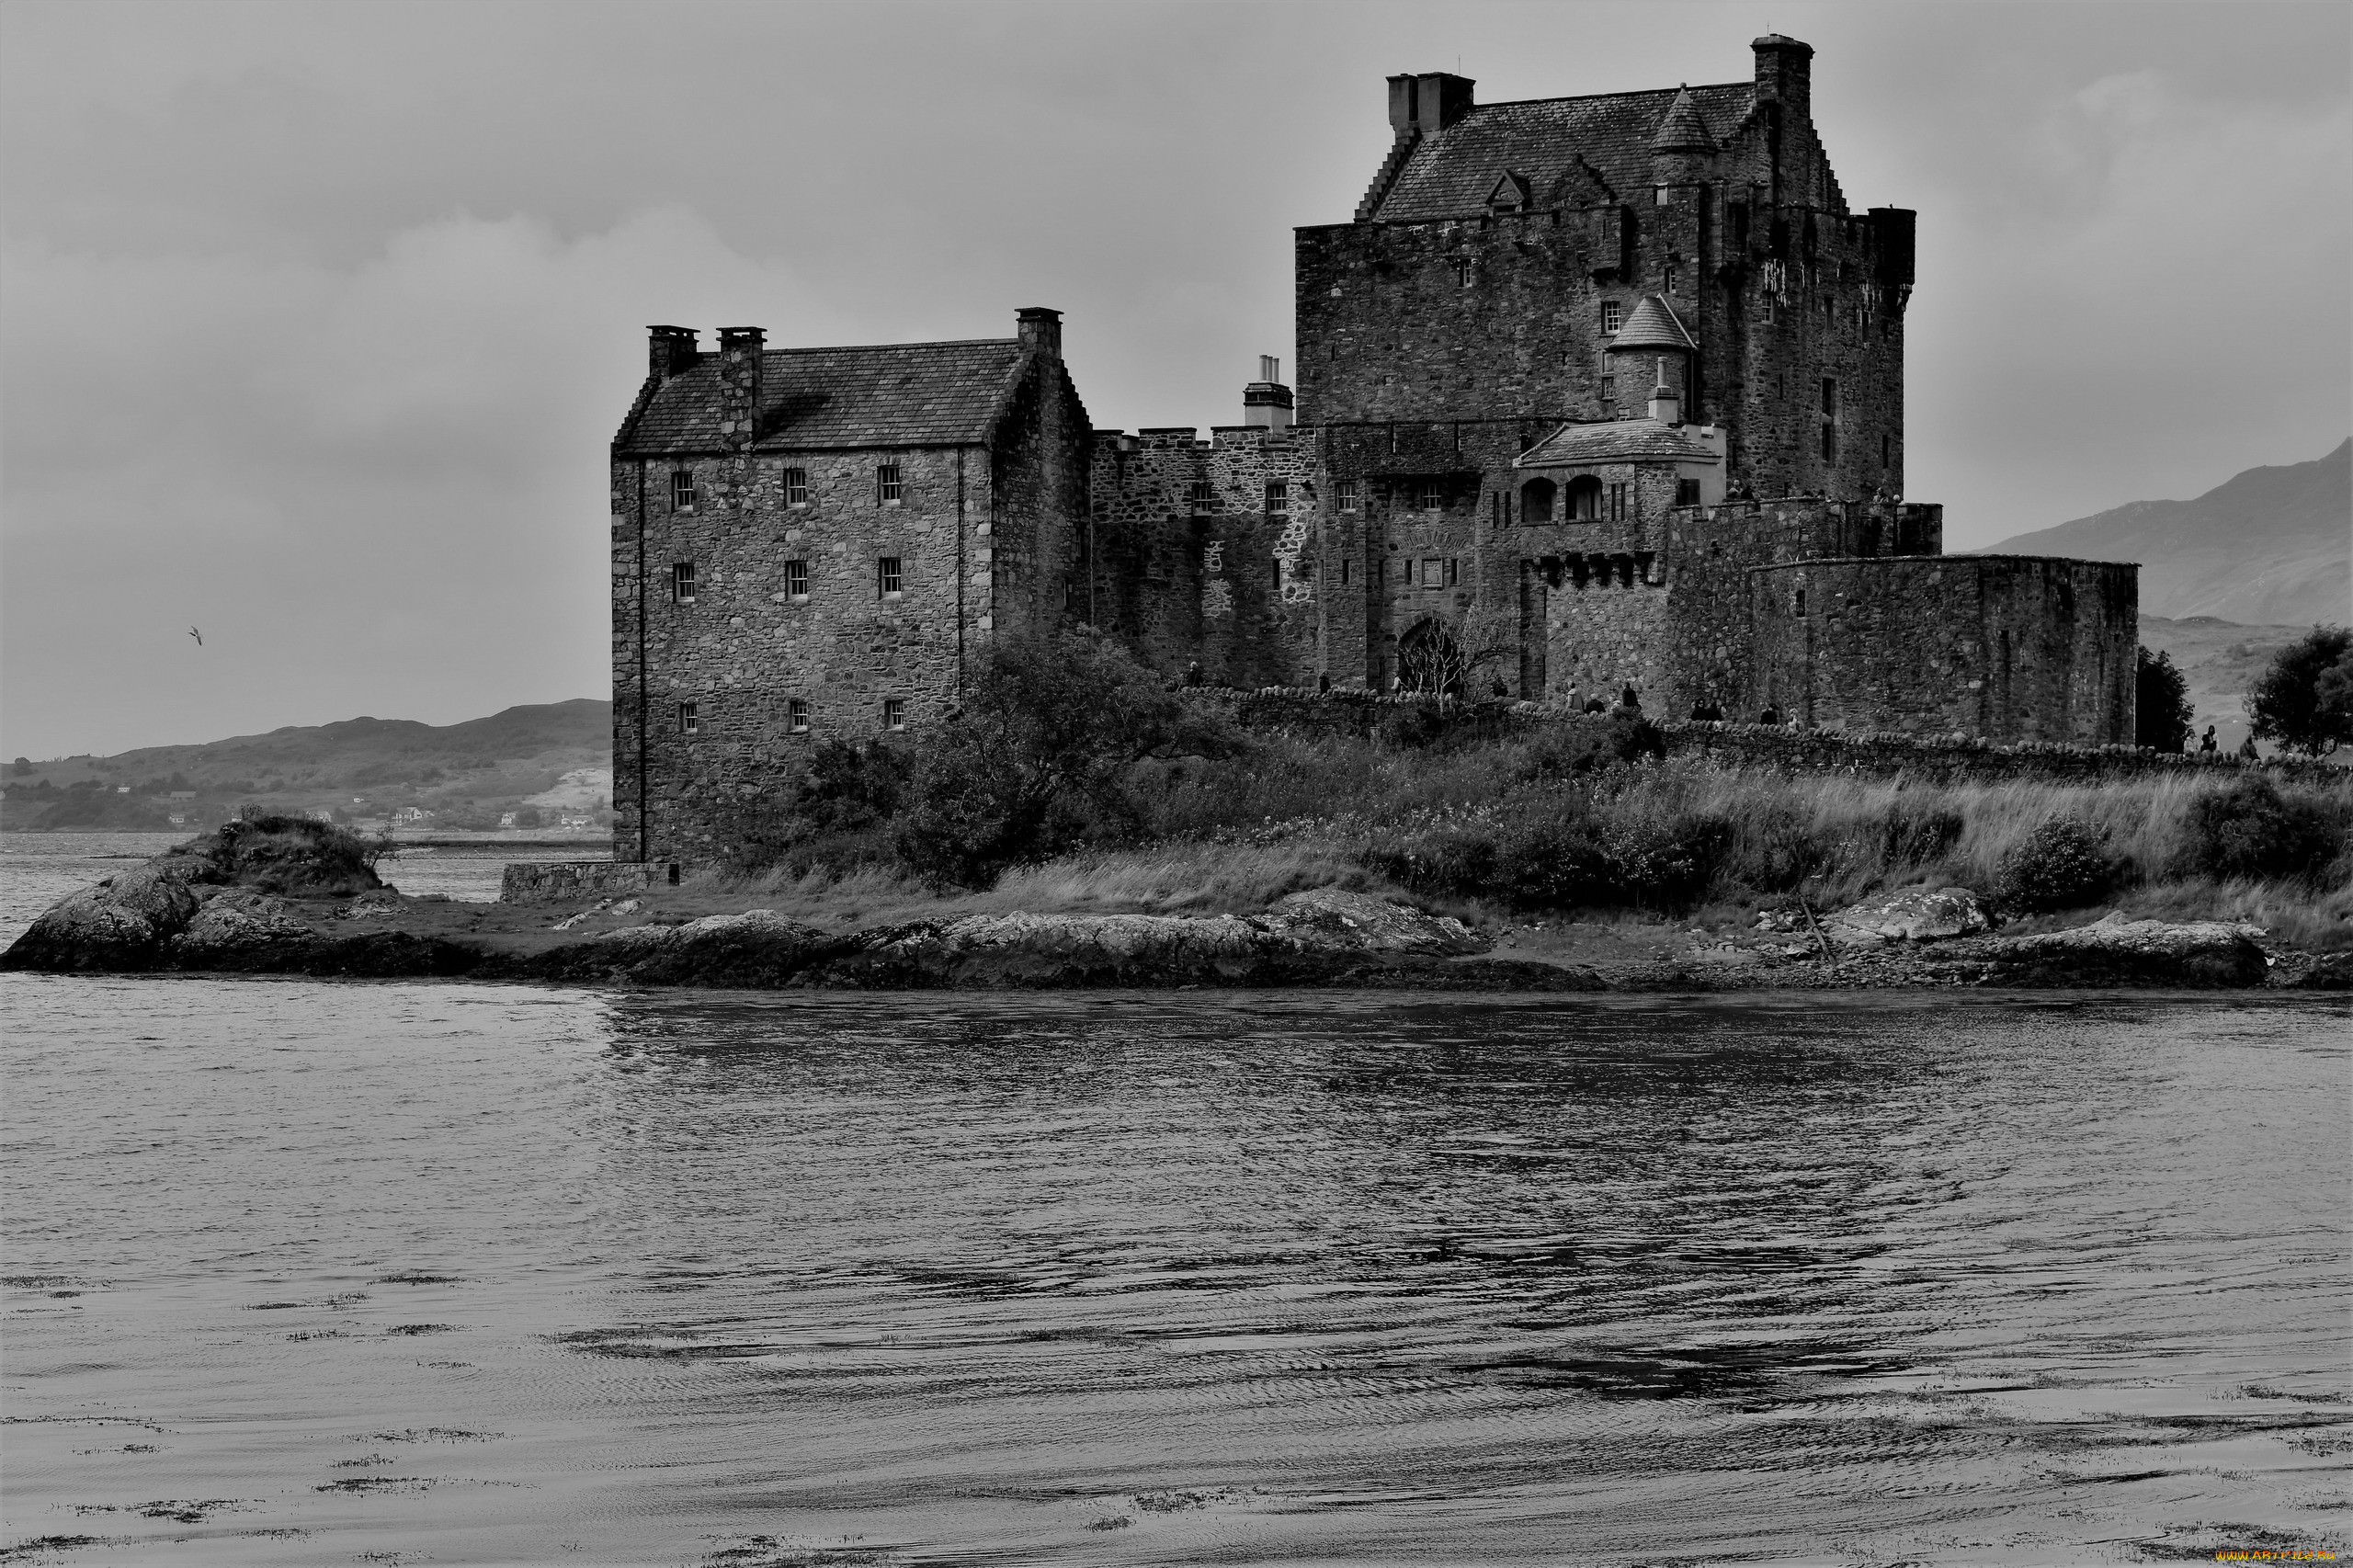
(2019, 647)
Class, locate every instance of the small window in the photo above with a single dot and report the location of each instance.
(682, 583)
(886, 484)
(1429, 495)
(1582, 503)
(1278, 497)
(1736, 223)
(1882, 451)
(1829, 443)
(1829, 398)
(895, 713)
(1666, 280)
(1433, 571)
(796, 579)
(1536, 501)
(1406, 570)
(1609, 389)
(1462, 272)
(1687, 491)
(1616, 500)
(1204, 497)
(1347, 494)
(1449, 571)
(689, 719)
(796, 487)
(1796, 604)
(682, 490)
(1609, 317)
(1658, 195)
(888, 581)
(1277, 572)
(796, 717)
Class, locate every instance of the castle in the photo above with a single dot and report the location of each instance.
(1591, 393)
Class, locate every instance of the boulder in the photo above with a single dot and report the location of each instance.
(122, 923)
(1358, 922)
(2117, 951)
(1911, 914)
(237, 923)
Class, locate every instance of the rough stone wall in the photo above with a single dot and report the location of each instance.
(1030, 561)
(2009, 647)
(1225, 583)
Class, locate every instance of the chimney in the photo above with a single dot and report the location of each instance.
(739, 382)
(1041, 330)
(1785, 73)
(670, 350)
(1667, 401)
(1267, 403)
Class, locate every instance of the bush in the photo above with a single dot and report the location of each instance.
(2161, 708)
(2064, 864)
(292, 857)
(1041, 757)
(2249, 830)
(1562, 853)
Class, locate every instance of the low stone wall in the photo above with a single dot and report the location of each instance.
(1941, 759)
(564, 881)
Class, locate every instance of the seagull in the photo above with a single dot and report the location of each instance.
(192, 631)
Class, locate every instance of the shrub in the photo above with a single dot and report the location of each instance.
(2306, 699)
(292, 857)
(2161, 709)
(2249, 830)
(2063, 864)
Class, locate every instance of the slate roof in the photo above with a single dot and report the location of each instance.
(1450, 174)
(1653, 324)
(1684, 130)
(892, 394)
(1617, 440)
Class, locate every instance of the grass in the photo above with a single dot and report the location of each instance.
(1503, 829)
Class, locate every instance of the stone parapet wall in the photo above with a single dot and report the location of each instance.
(566, 881)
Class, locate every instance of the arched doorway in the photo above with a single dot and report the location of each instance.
(1429, 660)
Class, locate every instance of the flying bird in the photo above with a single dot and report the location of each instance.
(192, 631)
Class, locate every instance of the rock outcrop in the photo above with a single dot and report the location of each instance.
(2117, 951)
(1911, 914)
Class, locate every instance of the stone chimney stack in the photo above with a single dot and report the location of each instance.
(1785, 73)
(670, 350)
(739, 383)
(1667, 400)
(1041, 330)
(1428, 103)
(1267, 403)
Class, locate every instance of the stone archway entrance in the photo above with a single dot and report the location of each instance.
(1429, 660)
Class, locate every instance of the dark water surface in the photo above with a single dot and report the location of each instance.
(306, 1273)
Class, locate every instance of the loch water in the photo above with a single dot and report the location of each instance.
(308, 1273)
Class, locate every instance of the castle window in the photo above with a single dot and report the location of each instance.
(1536, 501)
(1829, 443)
(796, 579)
(689, 719)
(1736, 224)
(1278, 498)
(1428, 494)
(1796, 604)
(1611, 319)
(1347, 494)
(895, 713)
(1433, 571)
(1462, 272)
(1204, 497)
(796, 717)
(1667, 278)
(1406, 570)
(886, 484)
(1343, 571)
(1582, 503)
(682, 583)
(1687, 491)
(1882, 451)
(1658, 195)
(682, 490)
(1616, 501)
(1449, 571)
(888, 580)
(1609, 389)
(796, 487)
(1829, 420)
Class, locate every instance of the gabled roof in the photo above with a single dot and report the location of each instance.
(1617, 441)
(1653, 324)
(1451, 172)
(890, 394)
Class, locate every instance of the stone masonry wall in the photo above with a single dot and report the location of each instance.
(2008, 647)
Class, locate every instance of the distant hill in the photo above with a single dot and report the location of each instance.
(2272, 547)
(557, 754)
(2219, 660)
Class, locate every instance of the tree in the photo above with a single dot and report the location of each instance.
(1039, 754)
(2304, 701)
(2161, 710)
(1446, 654)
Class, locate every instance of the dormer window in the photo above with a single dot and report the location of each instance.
(1509, 194)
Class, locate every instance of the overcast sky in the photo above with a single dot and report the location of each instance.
(318, 318)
